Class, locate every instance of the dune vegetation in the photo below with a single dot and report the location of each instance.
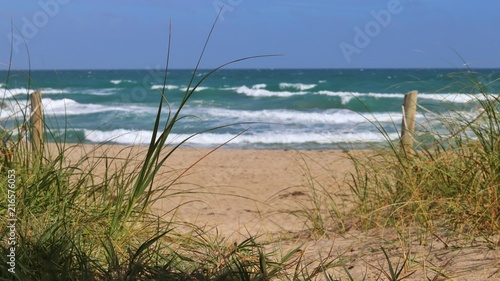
(68, 218)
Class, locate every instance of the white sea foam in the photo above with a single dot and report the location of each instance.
(71, 107)
(286, 138)
(8, 93)
(298, 86)
(454, 97)
(9, 112)
(259, 91)
(333, 116)
(160, 87)
(116, 82)
(20, 108)
(50, 91)
(198, 89)
(97, 92)
(346, 97)
(123, 136)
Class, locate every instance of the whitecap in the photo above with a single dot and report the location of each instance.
(120, 136)
(8, 93)
(123, 136)
(198, 89)
(116, 82)
(333, 116)
(346, 97)
(454, 97)
(50, 91)
(284, 138)
(298, 86)
(71, 107)
(259, 91)
(98, 92)
(167, 87)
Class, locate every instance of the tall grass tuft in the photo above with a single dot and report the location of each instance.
(452, 179)
(76, 223)
(321, 211)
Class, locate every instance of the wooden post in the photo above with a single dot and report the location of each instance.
(36, 122)
(408, 126)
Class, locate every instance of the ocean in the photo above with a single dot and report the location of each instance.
(247, 108)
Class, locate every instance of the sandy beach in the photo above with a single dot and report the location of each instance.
(252, 192)
(240, 193)
(237, 191)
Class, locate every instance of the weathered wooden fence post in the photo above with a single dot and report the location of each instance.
(408, 126)
(36, 123)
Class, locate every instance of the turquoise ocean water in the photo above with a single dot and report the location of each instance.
(275, 109)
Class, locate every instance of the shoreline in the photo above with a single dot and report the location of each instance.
(229, 146)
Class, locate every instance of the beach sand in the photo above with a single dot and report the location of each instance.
(240, 193)
(237, 191)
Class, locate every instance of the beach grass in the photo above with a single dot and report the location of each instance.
(452, 180)
(74, 222)
(91, 217)
(444, 191)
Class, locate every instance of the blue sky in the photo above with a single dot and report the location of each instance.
(115, 34)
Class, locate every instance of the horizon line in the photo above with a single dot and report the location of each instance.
(257, 68)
